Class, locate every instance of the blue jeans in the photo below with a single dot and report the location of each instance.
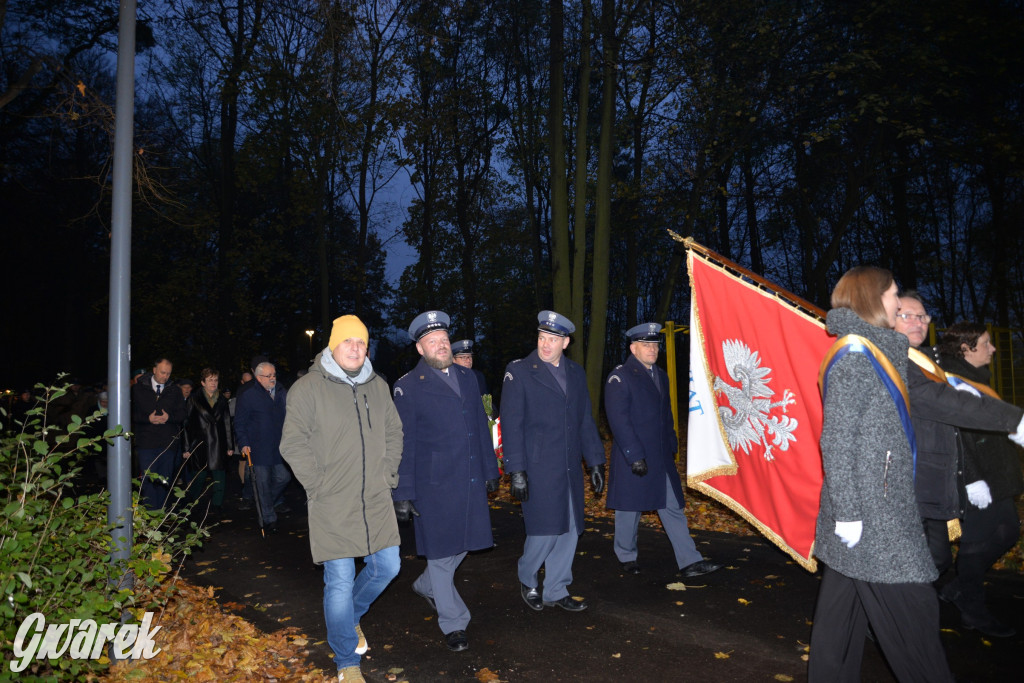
(272, 482)
(347, 597)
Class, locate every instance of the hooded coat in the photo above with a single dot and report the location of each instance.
(446, 461)
(869, 467)
(343, 440)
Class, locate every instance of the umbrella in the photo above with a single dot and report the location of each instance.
(255, 491)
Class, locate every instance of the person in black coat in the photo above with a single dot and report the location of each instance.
(643, 473)
(547, 428)
(158, 416)
(993, 478)
(938, 412)
(448, 468)
(209, 443)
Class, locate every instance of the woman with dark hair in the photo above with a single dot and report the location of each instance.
(877, 567)
(993, 478)
(208, 438)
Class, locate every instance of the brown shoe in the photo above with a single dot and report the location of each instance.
(351, 673)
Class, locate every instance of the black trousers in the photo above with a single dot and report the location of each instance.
(936, 532)
(903, 616)
(987, 535)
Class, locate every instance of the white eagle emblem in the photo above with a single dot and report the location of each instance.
(399, 392)
(747, 419)
(551, 317)
(432, 316)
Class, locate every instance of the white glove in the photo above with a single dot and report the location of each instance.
(849, 532)
(964, 386)
(1018, 436)
(979, 494)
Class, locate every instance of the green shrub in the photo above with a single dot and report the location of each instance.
(55, 546)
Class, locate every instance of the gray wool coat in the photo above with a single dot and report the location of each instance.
(861, 432)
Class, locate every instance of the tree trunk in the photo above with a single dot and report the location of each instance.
(560, 267)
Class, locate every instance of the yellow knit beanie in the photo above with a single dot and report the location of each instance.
(347, 327)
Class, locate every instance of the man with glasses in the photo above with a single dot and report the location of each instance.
(938, 412)
(643, 473)
(259, 420)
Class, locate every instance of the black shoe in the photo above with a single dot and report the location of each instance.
(989, 626)
(531, 596)
(282, 509)
(244, 504)
(271, 528)
(568, 604)
(431, 602)
(631, 567)
(457, 641)
(699, 569)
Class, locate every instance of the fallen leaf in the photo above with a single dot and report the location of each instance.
(677, 586)
(721, 655)
(617, 655)
(783, 677)
(743, 601)
(485, 675)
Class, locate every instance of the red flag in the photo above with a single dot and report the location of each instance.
(752, 439)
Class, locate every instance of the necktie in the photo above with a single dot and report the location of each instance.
(272, 394)
(159, 388)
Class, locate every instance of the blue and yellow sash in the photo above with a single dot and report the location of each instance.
(887, 373)
(934, 372)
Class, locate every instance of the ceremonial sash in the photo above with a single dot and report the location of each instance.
(985, 389)
(935, 373)
(928, 366)
(887, 373)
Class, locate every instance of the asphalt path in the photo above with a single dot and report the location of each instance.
(750, 621)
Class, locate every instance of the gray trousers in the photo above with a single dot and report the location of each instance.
(555, 554)
(438, 582)
(673, 519)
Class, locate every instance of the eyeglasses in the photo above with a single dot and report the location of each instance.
(274, 376)
(923, 318)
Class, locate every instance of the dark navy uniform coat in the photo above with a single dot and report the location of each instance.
(446, 461)
(641, 421)
(546, 433)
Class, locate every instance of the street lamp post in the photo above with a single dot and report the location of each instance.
(309, 333)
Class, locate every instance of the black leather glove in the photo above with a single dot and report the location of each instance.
(597, 479)
(492, 485)
(520, 489)
(405, 511)
(639, 467)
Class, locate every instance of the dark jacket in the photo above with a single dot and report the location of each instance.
(208, 432)
(343, 441)
(938, 411)
(259, 420)
(546, 433)
(989, 455)
(869, 467)
(145, 402)
(447, 458)
(640, 418)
